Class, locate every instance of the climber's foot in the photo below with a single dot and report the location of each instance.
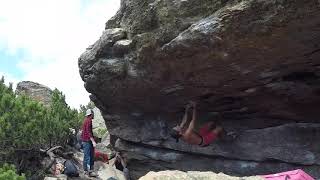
(232, 134)
(229, 136)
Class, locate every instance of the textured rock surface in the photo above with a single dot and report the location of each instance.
(143, 158)
(61, 177)
(190, 175)
(35, 90)
(98, 124)
(252, 64)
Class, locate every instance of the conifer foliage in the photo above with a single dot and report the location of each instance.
(8, 172)
(28, 126)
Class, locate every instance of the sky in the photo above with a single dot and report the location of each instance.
(41, 41)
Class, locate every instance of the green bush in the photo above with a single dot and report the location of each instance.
(8, 172)
(26, 126)
(99, 132)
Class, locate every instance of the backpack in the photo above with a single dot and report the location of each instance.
(70, 169)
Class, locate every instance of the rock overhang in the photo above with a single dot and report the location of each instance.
(254, 64)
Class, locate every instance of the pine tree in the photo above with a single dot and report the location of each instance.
(27, 125)
(8, 172)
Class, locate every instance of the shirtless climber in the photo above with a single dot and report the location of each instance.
(206, 135)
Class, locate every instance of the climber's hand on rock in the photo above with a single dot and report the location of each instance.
(188, 106)
(193, 104)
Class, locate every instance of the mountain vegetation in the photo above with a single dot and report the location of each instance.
(27, 128)
(8, 172)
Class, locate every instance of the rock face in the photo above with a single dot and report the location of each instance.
(98, 125)
(35, 90)
(254, 65)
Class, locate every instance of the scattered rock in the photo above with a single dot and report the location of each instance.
(59, 177)
(191, 175)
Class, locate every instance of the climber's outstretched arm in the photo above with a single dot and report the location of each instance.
(185, 116)
(194, 116)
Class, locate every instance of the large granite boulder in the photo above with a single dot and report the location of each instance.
(253, 64)
(35, 91)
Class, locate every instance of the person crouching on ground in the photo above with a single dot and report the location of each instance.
(88, 144)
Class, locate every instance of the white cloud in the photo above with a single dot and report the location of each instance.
(53, 34)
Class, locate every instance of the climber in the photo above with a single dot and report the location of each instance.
(88, 144)
(207, 134)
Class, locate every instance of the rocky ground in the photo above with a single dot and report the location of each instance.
(104, 170)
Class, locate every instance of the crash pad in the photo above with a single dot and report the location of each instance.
(289, 175)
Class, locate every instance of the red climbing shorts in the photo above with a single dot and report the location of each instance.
(207, 135)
